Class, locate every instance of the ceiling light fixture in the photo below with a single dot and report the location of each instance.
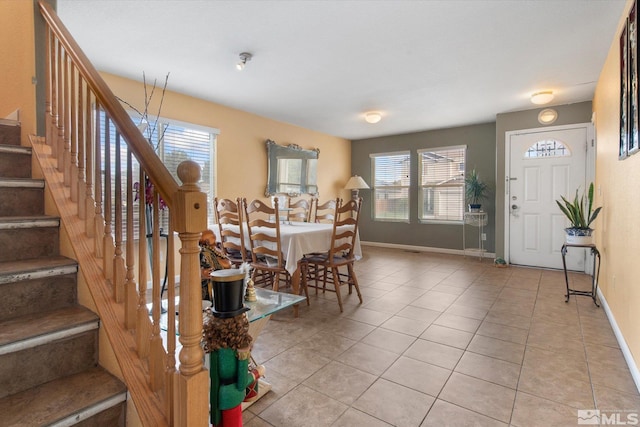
(547, 116)
(372, 117)
(244, 58)
(543, 97)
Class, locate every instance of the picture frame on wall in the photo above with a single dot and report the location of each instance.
(624, 93)
(632, 49)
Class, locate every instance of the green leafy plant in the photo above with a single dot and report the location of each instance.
(474, 189)
(580, 211)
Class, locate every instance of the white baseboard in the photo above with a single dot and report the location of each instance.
(470, 252)
(628, 357)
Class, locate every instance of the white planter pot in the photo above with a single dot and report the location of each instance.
(576, 236)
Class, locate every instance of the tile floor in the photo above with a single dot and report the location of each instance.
(443, 340)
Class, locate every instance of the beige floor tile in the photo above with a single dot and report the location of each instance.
(458, 322)
(504, 350)
(341, 382)
(368, 358)
(554, 384)
(389, 340)
(348, 328)
(553, 363)
(295, 409)
(489, 369)
(509, 319)
(478, 303)
(446, 414)
(326, 344)
(503, 332)
(608, 399)
(448, 336)
(417, 375)
(555, 337)
(384, 305)
(434, 353)
(534, 411)
(406, 326)
(280, 386)
(371, 317)
(617, 378)
(324, 363)
(256, 422)
(353, 417)
(481, 396)
(432, 300)
(395, 404)
(459, 309)
(297, 364)
(447, 289)
(417, 313)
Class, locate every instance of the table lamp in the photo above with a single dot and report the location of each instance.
(355, 184)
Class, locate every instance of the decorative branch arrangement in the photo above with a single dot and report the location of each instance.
(145, 126)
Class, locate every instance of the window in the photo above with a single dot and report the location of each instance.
(391, 174)
(547, 148)
(179, 142)
(441, 183)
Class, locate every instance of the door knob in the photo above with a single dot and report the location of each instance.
(514, 207)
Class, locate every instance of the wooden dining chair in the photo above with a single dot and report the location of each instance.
(228, 214)
(325, 212)
(267, 261)
(340, 254)
(301, 210)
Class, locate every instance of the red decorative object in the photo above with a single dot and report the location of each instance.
(149, 194)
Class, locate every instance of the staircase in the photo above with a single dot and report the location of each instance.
(49, 373)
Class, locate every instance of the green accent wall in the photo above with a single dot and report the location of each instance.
(481, 154)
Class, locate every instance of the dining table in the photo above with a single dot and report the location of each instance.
(296, 240)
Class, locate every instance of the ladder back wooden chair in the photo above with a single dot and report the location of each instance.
(228, 214)
(263, 228)
(300, 210)
(325, 212)
(340, 254)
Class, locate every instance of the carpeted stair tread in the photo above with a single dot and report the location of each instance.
(62, 398)
(37, 325)
(12, 271)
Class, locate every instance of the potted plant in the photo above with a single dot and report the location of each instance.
(475, 190)
(581, 214)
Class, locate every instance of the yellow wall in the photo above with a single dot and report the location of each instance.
(18, 63)
(617, 228)
(241, 150)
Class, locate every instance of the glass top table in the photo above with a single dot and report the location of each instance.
(268, 302)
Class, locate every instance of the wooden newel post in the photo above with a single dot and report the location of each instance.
(192, 385)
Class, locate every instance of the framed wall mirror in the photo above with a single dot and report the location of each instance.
(291, 170)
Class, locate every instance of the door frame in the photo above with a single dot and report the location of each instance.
(590, 169)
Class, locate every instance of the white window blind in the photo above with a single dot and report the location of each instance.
(391, 176)
(441, 183)
(179, 142)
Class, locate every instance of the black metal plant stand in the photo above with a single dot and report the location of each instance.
(594, 275)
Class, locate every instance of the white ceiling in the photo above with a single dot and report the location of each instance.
(322, 64)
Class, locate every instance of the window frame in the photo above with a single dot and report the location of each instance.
(375, 187)
(421, 187)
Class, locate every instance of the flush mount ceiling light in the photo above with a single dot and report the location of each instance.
(547, 116)
(372, 117)
(540, 98)
(244, 58)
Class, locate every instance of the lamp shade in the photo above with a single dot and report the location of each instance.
(356, 183)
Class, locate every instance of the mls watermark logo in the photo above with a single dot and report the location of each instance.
(589, 416)
(612, 418)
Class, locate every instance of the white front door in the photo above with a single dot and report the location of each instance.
(543, 165)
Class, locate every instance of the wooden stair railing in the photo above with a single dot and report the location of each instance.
(101, 154)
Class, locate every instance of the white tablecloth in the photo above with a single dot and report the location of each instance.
(298, 239)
